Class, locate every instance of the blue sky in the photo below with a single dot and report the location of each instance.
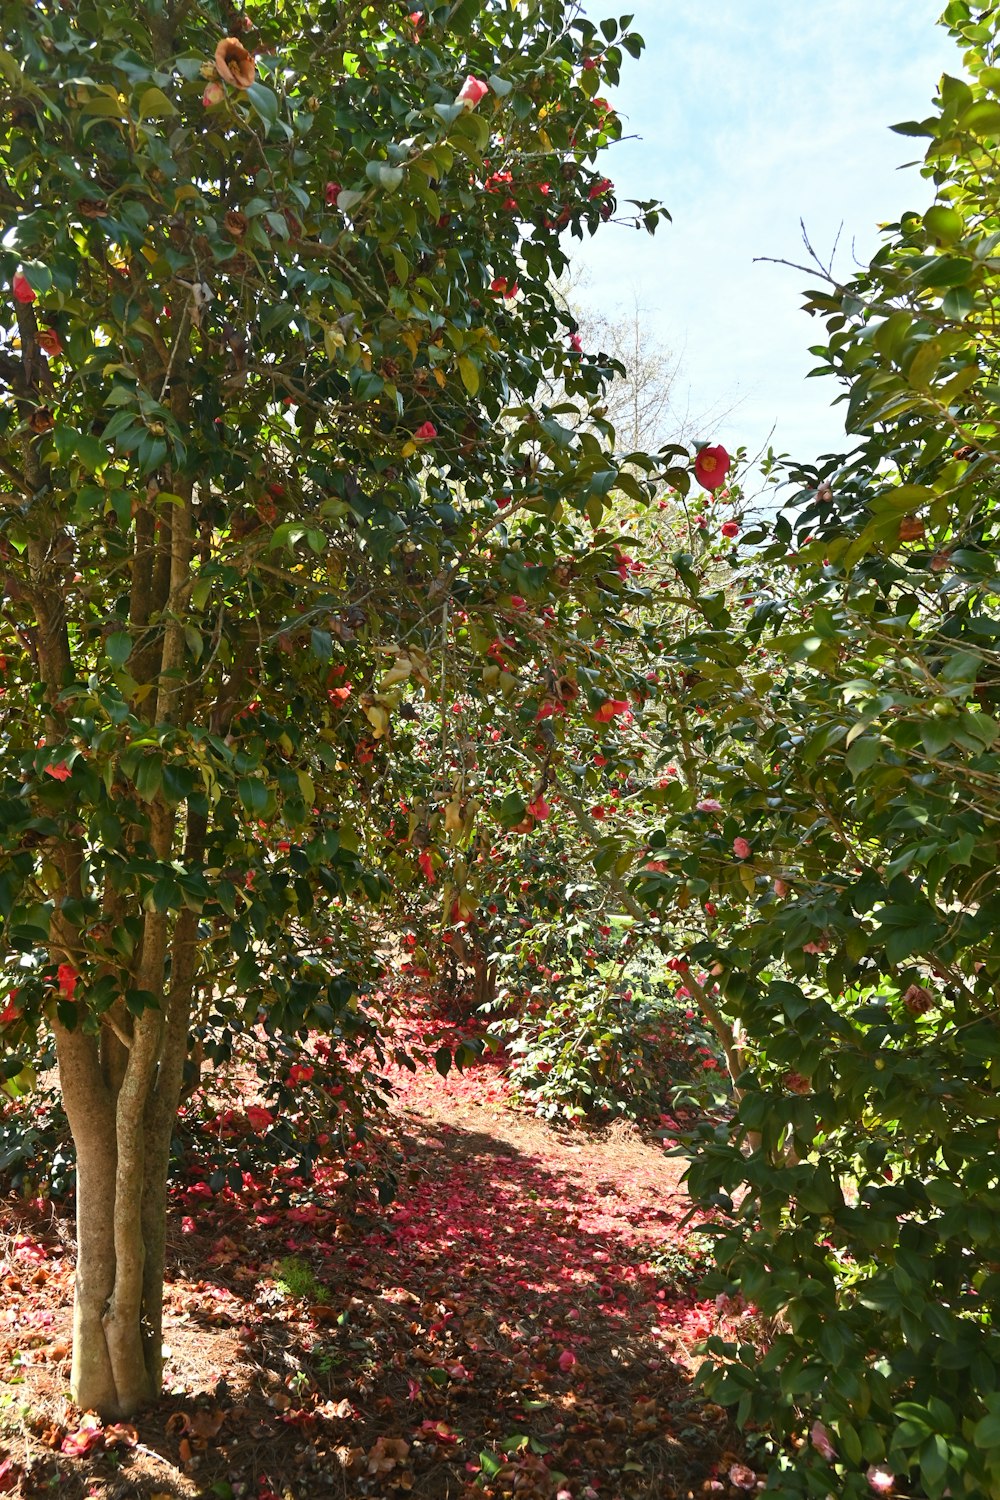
(751, 115)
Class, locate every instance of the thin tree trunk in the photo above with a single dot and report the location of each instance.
(123, 1150)
(91, 1116)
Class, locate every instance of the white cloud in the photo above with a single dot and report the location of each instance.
(753, 114)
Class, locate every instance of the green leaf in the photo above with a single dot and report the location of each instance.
(253, 795)
(864, 752)
(118, 648)
(264, 101)
(154, 105)
(442, 1061)
(943, 224)
(982, 118)
(469, 372)
(987, 1431)
(513, 810)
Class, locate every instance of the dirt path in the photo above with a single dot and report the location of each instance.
(512, 1325)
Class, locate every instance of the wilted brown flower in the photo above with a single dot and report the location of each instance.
(911, 528)
(235, 223)
(41, 420)
(235, 63)
(918, 1000)
(796, 1084)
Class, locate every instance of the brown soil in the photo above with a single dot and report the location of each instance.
(497, 1331)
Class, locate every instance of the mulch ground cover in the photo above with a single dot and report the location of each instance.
(519, 1321)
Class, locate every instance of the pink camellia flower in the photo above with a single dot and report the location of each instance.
(711, 467)
(67, 977)
(332, 194)
(22, 288)
(741, 848)
(780, 889)
(576, 343)
(709, 804)
(820, 1439)
(742, 1477)
(880, 1478)
(471, 92)
(567, 1360)
(213, 95)
(731, 528)
(610, 709)
(425, 433)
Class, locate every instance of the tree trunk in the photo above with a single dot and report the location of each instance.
(121, 1120)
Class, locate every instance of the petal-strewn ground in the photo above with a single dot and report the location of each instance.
(518, 1322)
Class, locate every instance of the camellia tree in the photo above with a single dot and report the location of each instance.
(279, 358)
(843, 851)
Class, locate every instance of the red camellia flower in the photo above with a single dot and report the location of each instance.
(427, 865)
(23, 290)
(472, 90)
(539, 808)
(711, 467)
(332, 194)
(425, 433)
(611, 709)
(731, 528)
(741, 848)
(61, 772)
(67, 977)
(576, 343)
(49, 342)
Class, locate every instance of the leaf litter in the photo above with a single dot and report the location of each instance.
(504, 1328)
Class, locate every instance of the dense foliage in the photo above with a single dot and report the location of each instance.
(297, 430)
(855, 858)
